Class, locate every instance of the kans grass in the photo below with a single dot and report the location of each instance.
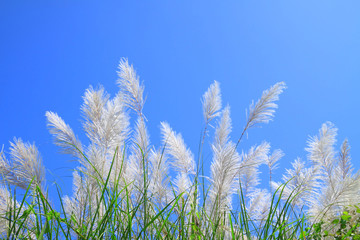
(125, 188)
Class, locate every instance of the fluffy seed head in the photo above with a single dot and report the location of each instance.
(27, 164)
(130, 86)
(211, 102)
(264, 109)
(63, 134)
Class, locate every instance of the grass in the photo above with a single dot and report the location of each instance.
(122, 188)
(118, 216)
(122, 218)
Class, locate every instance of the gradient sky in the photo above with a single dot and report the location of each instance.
(51, 51)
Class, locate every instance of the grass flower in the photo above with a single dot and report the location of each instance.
(211, 102)
(126, 188)
(263, 110)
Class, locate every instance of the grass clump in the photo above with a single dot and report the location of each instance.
(126, 188)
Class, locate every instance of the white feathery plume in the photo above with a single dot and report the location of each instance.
(211, 102)
(322, 154)
(131, 87)
(141, 139)
(223, 129)
(107, 126)
(300, 183)
(331, 200)
(6, 173)
(116, 123)
(93, 110)
(345, 166)
(76, 209)
(159, 179)
(271, 162)
(183, 184)
(264, 109)
(64, 135)
(183, 159)
(6, 203)
(98, 165)
(249, 173)
(259, 205)
(76, 205)
(338, 189)
(82, 205)
(27, 164)
(106, 121)
(321, 149)
(138, 160)
(224, 167)
(9, 205)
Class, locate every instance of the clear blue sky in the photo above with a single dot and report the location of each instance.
(51, 51)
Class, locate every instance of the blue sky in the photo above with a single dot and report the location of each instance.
(51, 51)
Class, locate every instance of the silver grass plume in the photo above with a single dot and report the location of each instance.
(335, 192)
(159, 180)
(132, 91)
(272, 164)
(264, 109)
(272, 160)
(82, 205)
(331, 200)
(106, 122)
(64, 135)
(9, 205)
(93, 110)
(322, 153)
(211, 102)
(249, 166)
(300, 182)
(107, 126)
(97, 164)
(77, 204)
(6, 203)
(26, 164)
(138, 160)
(182, 160)
(130, 86)
(259, 205)
(321, 149)
(116, 125)
(224, 167)
(223, 130)
(345, 166)
(6, 173)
